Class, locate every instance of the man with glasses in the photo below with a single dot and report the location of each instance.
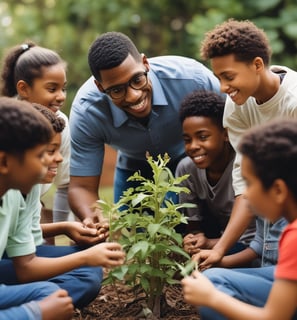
(132, 104)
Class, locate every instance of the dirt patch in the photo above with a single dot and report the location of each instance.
(124, 303)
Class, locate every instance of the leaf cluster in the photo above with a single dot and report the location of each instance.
(144, 221)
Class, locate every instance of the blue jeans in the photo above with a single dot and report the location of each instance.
(250, 285)
(82, 284)
(13, 300)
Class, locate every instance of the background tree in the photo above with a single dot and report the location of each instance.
(157, 27)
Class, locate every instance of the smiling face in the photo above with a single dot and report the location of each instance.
(48, 90)
(136, 102)
(240, 80)
(205, 142)
(54, 158)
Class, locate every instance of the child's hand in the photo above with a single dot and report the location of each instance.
(57, 306)
(81, 234)
(207, 258)
(107, 254)
(197, 289)
(192, 243)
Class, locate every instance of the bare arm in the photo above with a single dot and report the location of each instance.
(243, 258)
(32, 268)
(76, 231)
(281, 304)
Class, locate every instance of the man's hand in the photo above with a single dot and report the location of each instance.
(102, 228)
(98, 222)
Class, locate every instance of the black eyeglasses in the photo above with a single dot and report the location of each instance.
(138, 82)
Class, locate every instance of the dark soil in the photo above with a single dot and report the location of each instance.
(123, 303)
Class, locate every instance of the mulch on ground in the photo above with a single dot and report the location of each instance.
(123, 303)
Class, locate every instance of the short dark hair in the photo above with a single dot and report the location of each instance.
(241, 38)
(272, 149)
(109, 50)
(57, 122)
(22, 127)
(203, 103)
(25, 62)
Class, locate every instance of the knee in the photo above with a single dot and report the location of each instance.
(91, 286)
(93, 277)
(96, 274)
(215, 274)
(209, 314)
(45, 288)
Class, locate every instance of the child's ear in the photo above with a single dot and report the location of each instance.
(3, 163)
(23, 89)
(280, 190)
(226, 137)
(259, 64)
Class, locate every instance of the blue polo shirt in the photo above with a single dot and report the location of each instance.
(95, 120)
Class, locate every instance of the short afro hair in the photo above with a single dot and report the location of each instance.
(203, 103)
(241, 38)
(109, 50)
(22, 127)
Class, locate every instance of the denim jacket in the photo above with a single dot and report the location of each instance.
(265, 242)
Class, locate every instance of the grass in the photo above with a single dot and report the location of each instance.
(106, 194)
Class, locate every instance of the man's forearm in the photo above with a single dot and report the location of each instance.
(81, 203)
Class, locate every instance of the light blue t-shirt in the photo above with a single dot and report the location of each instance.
(15, 226)
(95, 120)
(33, 208)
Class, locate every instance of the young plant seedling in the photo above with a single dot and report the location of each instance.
(144, 221)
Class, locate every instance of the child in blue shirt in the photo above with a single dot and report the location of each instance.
(24, 135)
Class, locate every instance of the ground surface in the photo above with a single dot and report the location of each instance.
(126, 305)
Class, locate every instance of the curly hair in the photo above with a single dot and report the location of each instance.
(57, 123)
(25, 62)
(241, 38)
(21, 126)
(109, 50)
(272, 150)
(203, 103)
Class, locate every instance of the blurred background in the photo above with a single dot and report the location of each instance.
(157, 28)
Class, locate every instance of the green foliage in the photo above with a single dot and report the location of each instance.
(276, 17)
(156, 27)
(145, 226)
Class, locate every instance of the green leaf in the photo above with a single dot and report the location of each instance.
(188, 268)
(138, 199)
(139, 247)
